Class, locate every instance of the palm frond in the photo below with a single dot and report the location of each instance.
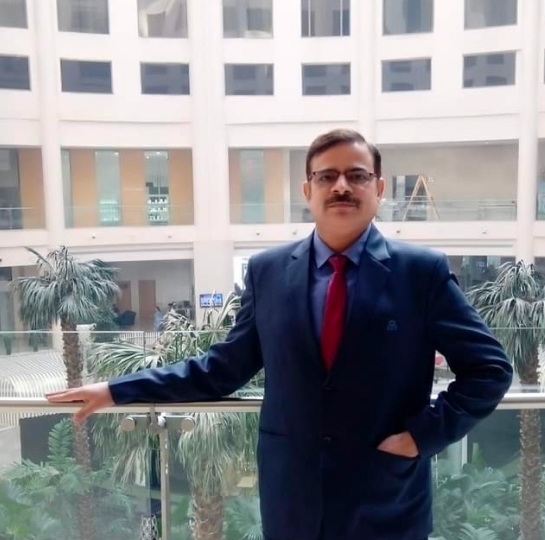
(244, 516)
(65, 289)
(513, 305)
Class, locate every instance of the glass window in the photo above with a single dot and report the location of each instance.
(67, 188)
(406, 75)
(249, 79)
(87, 16)
(170, 79)
(10, 194)
(14, 73)
(252, 186)
(13, 14)
(157, 185)
(162, 19)
(484, 13)
(247, 18)
(85, 76)
(321, 18)
(299, 211)
(408, 16)
(108, 185)
(497, 69)
(326, 79)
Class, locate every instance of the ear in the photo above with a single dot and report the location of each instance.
(381, 186)
(306, 190)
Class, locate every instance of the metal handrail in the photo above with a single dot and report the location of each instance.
(512, 400)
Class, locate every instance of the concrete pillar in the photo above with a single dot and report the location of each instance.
(48, 87)
(363, 28)
(529, 59)
(213, 251)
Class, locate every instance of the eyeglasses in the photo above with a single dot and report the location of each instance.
(355, 177)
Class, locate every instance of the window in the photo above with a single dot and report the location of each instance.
(485, 13)
(406, 75)
(87, 16)
(157, 184)
(13, 14)
(326, 79)
(67, 188)
(172, 79)
(321, 18)
(249, 79)
(252, 186)
(407, 16)
(14, 73)
(10, 193)
(158, 19)
(85, 76)
(108, 186)
(247, 18)
(497, 69)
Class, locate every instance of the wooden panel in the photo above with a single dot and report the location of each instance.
(147, 299)
(31, 187)
(235, 192)
(273, 166)
(133, 187)
(180, 177)
(84, 187)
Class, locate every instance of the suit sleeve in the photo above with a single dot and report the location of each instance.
(225, 368)
(482, 373)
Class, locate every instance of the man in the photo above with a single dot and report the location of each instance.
(346, 325)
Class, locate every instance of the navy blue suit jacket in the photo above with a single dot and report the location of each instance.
(320, 473)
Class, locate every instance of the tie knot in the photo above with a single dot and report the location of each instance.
(338, 262)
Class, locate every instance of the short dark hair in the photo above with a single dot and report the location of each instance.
(341, 136)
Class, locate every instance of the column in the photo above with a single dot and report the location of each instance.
(363, 31)
(213, 249)
(47, 63)
(528, 132)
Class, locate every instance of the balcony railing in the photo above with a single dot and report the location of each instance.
(23, 217)
(150, 465)
(169, 470)
(112, 214)
(417, 209)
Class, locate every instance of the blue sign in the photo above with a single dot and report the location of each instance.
(211, 300)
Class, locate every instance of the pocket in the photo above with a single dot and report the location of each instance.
(395, 464)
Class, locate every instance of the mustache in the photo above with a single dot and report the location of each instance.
(346, 198)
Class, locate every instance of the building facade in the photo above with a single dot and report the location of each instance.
(168, 137)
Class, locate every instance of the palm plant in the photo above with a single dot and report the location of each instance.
(70, 292)
(514, 306)
(221, 445)
(37, 500)
(480, 499)
(244, 517)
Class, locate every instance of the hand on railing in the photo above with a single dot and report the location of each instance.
(93, 396)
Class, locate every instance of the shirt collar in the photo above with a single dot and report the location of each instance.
(322, 251)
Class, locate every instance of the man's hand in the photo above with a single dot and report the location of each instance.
(94, 397)
(401, 444)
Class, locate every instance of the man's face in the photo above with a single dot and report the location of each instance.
(343, 193)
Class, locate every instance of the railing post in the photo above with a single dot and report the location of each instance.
(165, 484)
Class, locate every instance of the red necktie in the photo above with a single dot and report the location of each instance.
(334, 312)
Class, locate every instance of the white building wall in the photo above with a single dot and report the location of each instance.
(210, 123)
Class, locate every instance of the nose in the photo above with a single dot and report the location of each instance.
(341, 185)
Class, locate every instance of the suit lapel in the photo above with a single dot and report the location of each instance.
(372, 277)
(299, 298)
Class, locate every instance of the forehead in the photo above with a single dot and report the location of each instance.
(344, 156)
